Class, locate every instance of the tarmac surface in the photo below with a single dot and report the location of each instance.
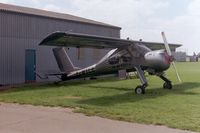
(36, 119)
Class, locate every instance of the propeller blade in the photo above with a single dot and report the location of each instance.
(170, 54)
(176, 71)
(166, 44)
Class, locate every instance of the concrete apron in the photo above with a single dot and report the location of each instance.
(31, 119)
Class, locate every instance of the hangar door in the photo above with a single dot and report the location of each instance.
(30, 66)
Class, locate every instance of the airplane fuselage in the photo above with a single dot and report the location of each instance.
(125, 59)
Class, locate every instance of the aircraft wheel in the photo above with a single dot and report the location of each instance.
(167, 85)
(140, 90)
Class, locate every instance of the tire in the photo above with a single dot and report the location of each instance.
(139, 90)
(167, 85)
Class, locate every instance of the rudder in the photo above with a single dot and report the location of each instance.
(63, 60)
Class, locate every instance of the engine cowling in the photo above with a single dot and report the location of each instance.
(158, 60)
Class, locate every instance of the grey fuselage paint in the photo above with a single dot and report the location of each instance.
(125, 58)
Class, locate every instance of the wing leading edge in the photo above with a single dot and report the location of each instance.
(64, 39)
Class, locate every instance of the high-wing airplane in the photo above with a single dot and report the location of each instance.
(139, 56)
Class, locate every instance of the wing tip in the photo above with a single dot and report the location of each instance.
(51, 37)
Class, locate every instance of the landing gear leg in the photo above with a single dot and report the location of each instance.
(141, 88)
(167, 84)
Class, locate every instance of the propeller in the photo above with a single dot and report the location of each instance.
(170, 54)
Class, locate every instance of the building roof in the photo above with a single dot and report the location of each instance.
(50, 14)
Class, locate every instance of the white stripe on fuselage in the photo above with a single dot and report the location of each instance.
(91, 68)
(83, 71)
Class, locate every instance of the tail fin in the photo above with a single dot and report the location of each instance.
(63, 60)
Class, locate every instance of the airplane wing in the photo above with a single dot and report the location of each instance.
(64, 39)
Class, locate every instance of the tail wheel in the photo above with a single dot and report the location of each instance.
(64, 77)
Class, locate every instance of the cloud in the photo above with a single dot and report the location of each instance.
(129, 14)
(194, 8)
(184, 29)
(138, 18)
(6, 1)
(51, 7)
(36, 2)
(145, 19)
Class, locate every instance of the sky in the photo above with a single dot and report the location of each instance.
(139, 19)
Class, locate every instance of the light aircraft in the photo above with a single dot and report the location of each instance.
(130, 55)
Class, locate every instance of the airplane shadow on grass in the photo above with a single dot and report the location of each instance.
(129, 96)
(55, 85)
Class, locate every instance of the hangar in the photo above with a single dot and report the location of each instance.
(21, 30)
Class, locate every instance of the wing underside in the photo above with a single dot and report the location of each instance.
(82, 40)
(63, 39)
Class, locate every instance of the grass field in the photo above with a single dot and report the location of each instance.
(115, 99)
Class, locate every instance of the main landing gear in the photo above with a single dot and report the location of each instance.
(141, 88)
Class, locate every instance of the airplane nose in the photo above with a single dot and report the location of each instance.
(158, 60)
(168, 59)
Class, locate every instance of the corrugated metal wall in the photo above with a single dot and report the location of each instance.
(19, 32)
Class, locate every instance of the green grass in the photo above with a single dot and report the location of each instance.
(115, 99)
